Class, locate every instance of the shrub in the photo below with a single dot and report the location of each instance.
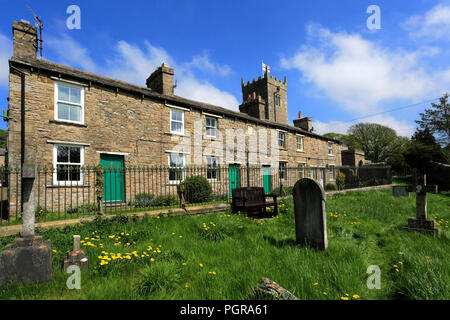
(196, 189)
(330, 187)
(142, 200)
(162, 201)
(340, 181)
(285, 191)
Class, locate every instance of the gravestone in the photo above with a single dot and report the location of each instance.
(400, 191)
(76, 256)
(310, 214)
(27, 258)
(421, 223)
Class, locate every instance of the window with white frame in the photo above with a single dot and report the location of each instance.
(313, 173)
(69, 102)
(212, 170)
(283, 170)
(176, 167)
(301, 170)
(281, 139)
(176, 121)
(211, 127)
(68, 161)
(330, 148)
(299, 143)
(331, 172)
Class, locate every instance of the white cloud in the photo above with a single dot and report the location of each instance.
(433, 25)
(191, 88)
(359, 74)
(71, 52)
(403, 128)
(6, 52)
(203, 64)
(131, 63)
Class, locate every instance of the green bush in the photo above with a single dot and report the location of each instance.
(142, 200)
(163, 201)
(330, 187)
(196, 189)
(340, 181)
(285, 191)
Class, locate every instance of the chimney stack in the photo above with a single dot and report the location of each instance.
(25, 42)
(161, 80)
(303, 123)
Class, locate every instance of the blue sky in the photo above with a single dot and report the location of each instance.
(337, 69)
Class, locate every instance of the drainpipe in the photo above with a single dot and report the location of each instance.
(22, 126)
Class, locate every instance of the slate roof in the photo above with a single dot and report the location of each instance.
(87, 77)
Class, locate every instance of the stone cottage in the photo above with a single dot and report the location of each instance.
(67, 118)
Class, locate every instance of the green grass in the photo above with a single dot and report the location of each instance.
(364, 228)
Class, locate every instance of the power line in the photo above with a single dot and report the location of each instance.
(395, 109)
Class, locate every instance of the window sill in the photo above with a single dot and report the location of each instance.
(331, 155)
(67, 186)
(301, 151)
(68, 123)
(211, 138)
(176, 134)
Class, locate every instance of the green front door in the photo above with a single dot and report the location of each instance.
(113, 178)
(267, 179)
(235, 182)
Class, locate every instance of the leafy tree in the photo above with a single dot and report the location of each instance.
(437, 120)
(346, 139)
(378, 142)
(422, 150)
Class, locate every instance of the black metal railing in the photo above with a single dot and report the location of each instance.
(69, 192)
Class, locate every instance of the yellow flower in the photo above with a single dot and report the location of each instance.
(395, 266)
(152, 260)
(316, 284)
(344, 298)
(201, 265)
(355, 296)
(184, 264)
(325, 293)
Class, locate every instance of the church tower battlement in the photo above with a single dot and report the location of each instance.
(265, 98)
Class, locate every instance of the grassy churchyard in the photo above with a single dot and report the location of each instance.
(222, 256)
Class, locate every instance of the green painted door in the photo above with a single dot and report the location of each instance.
(113, 178)
(267, 179)
(234, 174)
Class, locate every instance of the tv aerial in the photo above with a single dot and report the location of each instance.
(38, 23)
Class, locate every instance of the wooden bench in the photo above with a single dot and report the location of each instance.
(251, 200)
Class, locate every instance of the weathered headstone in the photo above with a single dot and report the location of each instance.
(400, 191)
(28, 258)
(310, 214)
(76, 256)
(421, 223)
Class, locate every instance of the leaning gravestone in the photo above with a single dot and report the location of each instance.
(400, 191)
(310, 214)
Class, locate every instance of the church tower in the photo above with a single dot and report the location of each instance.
(265, 98)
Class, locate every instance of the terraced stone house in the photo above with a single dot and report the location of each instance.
(66, 118)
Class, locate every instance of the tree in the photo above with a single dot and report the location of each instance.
(346, 139)
(437, 120)
(378, 142)
(423, 150)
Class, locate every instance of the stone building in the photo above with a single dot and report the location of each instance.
(68, 118)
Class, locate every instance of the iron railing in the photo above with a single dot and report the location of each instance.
(72, 192)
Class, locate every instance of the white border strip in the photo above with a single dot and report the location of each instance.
(177, 107)
(69, 81)
(69, 143)
(114, 153)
